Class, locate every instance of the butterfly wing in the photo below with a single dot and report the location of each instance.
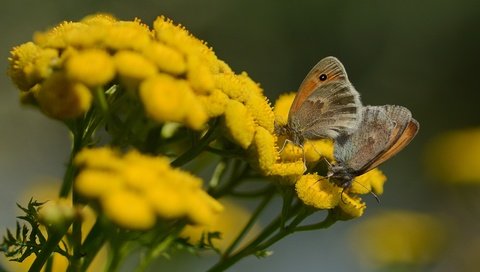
(403, 133)
(326, 104)
(359, 149)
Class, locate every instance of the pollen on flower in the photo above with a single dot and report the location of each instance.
(137, 189)
(30, 64)
(317, 191)
(61, 98)
(232, 86)
(286, 169)
(166, 58)
(214, 103)
(199, 75)
(239, 123)
(372, 181)
(261, 111)
(124, 35)
(349, 207)
(264, 151)
(92, 67)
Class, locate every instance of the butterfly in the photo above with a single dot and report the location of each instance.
(383, 132)
(326, 105)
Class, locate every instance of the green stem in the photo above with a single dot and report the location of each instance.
(52, 242)
(93, 243)
(198, 147)
(101, 100)
(74, 264)
(251, 248)
(250, 223)
(327, 222)
(155, 252)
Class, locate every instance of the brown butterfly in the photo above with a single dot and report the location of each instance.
(326, 105)
(383, 132)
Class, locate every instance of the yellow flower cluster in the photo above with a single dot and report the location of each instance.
(134, 190)
(177, 77)
(399, 238)
(454, 157)
(315, 190)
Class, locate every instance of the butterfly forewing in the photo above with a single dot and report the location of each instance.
(328, 108)
(359, 149)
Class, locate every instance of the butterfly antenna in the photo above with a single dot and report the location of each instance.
(284, 145)
(318, 181)
(370, 192)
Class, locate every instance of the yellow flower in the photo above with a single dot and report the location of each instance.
(133, 68)
(61, 98)
(135, 189)
(128, 209)
(56, 37)
(264, 151)
(166, 58)
(229, 223)
(282, 108)
(168, 99)
(261, 111)
(30, 64)
(239, 123)
(454, 157)
(199, 76)
(92, 67)
(125, 35)
(317, 191)
(372, 181)
(399, 237)
(214, 103)
(232, 86)
(287, 169)
(349, 207)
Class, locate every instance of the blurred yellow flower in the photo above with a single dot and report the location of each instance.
(91, 67)
(142, 189)
(454, 157)
(166, 98)
(133, 68)
(61, 98)
(167, 59)
(229, 223)
(398, 237)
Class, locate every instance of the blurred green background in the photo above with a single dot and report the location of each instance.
(420, 54)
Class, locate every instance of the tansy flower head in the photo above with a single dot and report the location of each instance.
(136, 190)
(239, 123)
(318, 192)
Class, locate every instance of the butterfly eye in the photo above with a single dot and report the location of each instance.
(322, 77)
